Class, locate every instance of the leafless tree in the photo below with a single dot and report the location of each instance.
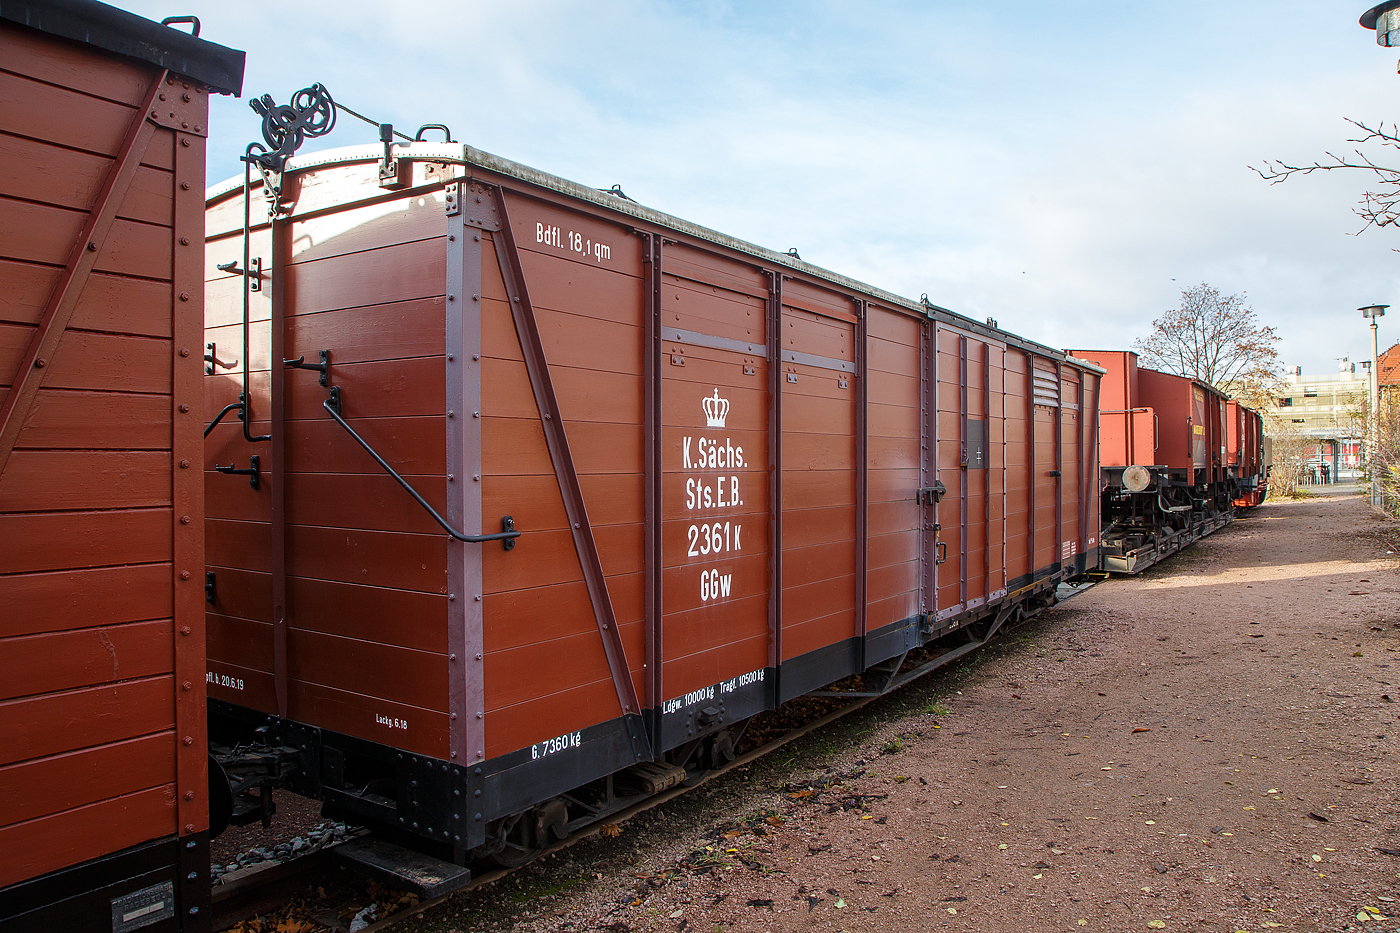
(1379, 208)
(1214, 338)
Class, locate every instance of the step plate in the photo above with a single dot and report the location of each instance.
(401, 868)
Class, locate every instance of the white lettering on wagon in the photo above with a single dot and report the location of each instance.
(709, 693)
(223, 680)
(393, 722)
(556, 745)
(572, 242)
(709, 539)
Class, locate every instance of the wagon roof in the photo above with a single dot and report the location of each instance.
(123, 33)
(462, 154)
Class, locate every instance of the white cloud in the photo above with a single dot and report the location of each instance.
(1063, 169)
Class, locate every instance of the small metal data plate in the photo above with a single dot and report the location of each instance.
(144, 907)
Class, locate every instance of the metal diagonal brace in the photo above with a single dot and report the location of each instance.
(14, 409)
(541, 383)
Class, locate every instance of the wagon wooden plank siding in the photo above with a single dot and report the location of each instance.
(730, 478)
(102, 748)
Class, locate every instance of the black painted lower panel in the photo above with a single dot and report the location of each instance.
(138, 890)
(815, 669)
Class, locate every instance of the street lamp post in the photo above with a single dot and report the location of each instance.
(1373, 423)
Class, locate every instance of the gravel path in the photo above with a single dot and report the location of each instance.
(1209, 746)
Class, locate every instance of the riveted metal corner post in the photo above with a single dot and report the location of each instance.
(15, 406)
(187, 495)
(1089, 486)
(1058, 556)
(651, 370)
(1033, 480)
(990, 472)
(279, 233)
(928, 594)
(774, 342)
(964, 481)
(862, 310)
(542, 385)
(465, 590)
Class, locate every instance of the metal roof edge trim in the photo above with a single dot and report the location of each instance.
(132, 36)
(463, 154)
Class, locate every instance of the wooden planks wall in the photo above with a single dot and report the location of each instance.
(819, 470)
(546, 673)
(100, 653)
(893, 462)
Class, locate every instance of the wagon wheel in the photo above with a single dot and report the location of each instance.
(516, 848)
(512, 855)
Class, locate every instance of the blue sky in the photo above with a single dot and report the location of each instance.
(1066, 168)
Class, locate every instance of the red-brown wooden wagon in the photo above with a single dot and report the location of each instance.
(735, 478)
(1245, 455)
(1170, 474)
(103, 785)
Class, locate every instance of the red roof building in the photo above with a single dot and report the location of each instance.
(1390, 366)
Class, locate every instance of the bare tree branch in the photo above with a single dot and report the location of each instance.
(1214, 338)
(1379, 208)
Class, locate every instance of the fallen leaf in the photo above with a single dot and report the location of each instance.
(1317, 858)
(775, 821)
(1157, 924)
(840, 902)
(1082, 922)
(1322, 819)
(610, 829)
(675, 914)
(798, 795)
(951, 910)
(1141, 729)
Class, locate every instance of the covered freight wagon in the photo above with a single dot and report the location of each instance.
(103, 785)
(668, 479)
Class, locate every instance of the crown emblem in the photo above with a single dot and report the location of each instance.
(716, 409)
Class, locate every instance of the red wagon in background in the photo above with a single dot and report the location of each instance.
(103, 784)
(1245, 455)
(554, 492)
(1173, 461)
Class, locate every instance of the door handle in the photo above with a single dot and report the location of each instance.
(940, 552)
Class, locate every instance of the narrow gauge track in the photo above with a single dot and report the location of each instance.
(260, 893)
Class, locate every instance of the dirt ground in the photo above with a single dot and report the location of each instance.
(1208, 746)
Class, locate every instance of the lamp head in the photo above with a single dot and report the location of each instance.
(1384, 18)
(1373, 311)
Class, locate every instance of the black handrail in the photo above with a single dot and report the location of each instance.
(507, 537)
(220, 416)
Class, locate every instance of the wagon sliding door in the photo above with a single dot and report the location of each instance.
(715, 577)
(969, 431)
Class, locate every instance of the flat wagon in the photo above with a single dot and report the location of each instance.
(661, 480)
(1175, 454)
(103, 785)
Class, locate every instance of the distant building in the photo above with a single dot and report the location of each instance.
(1329, 411)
